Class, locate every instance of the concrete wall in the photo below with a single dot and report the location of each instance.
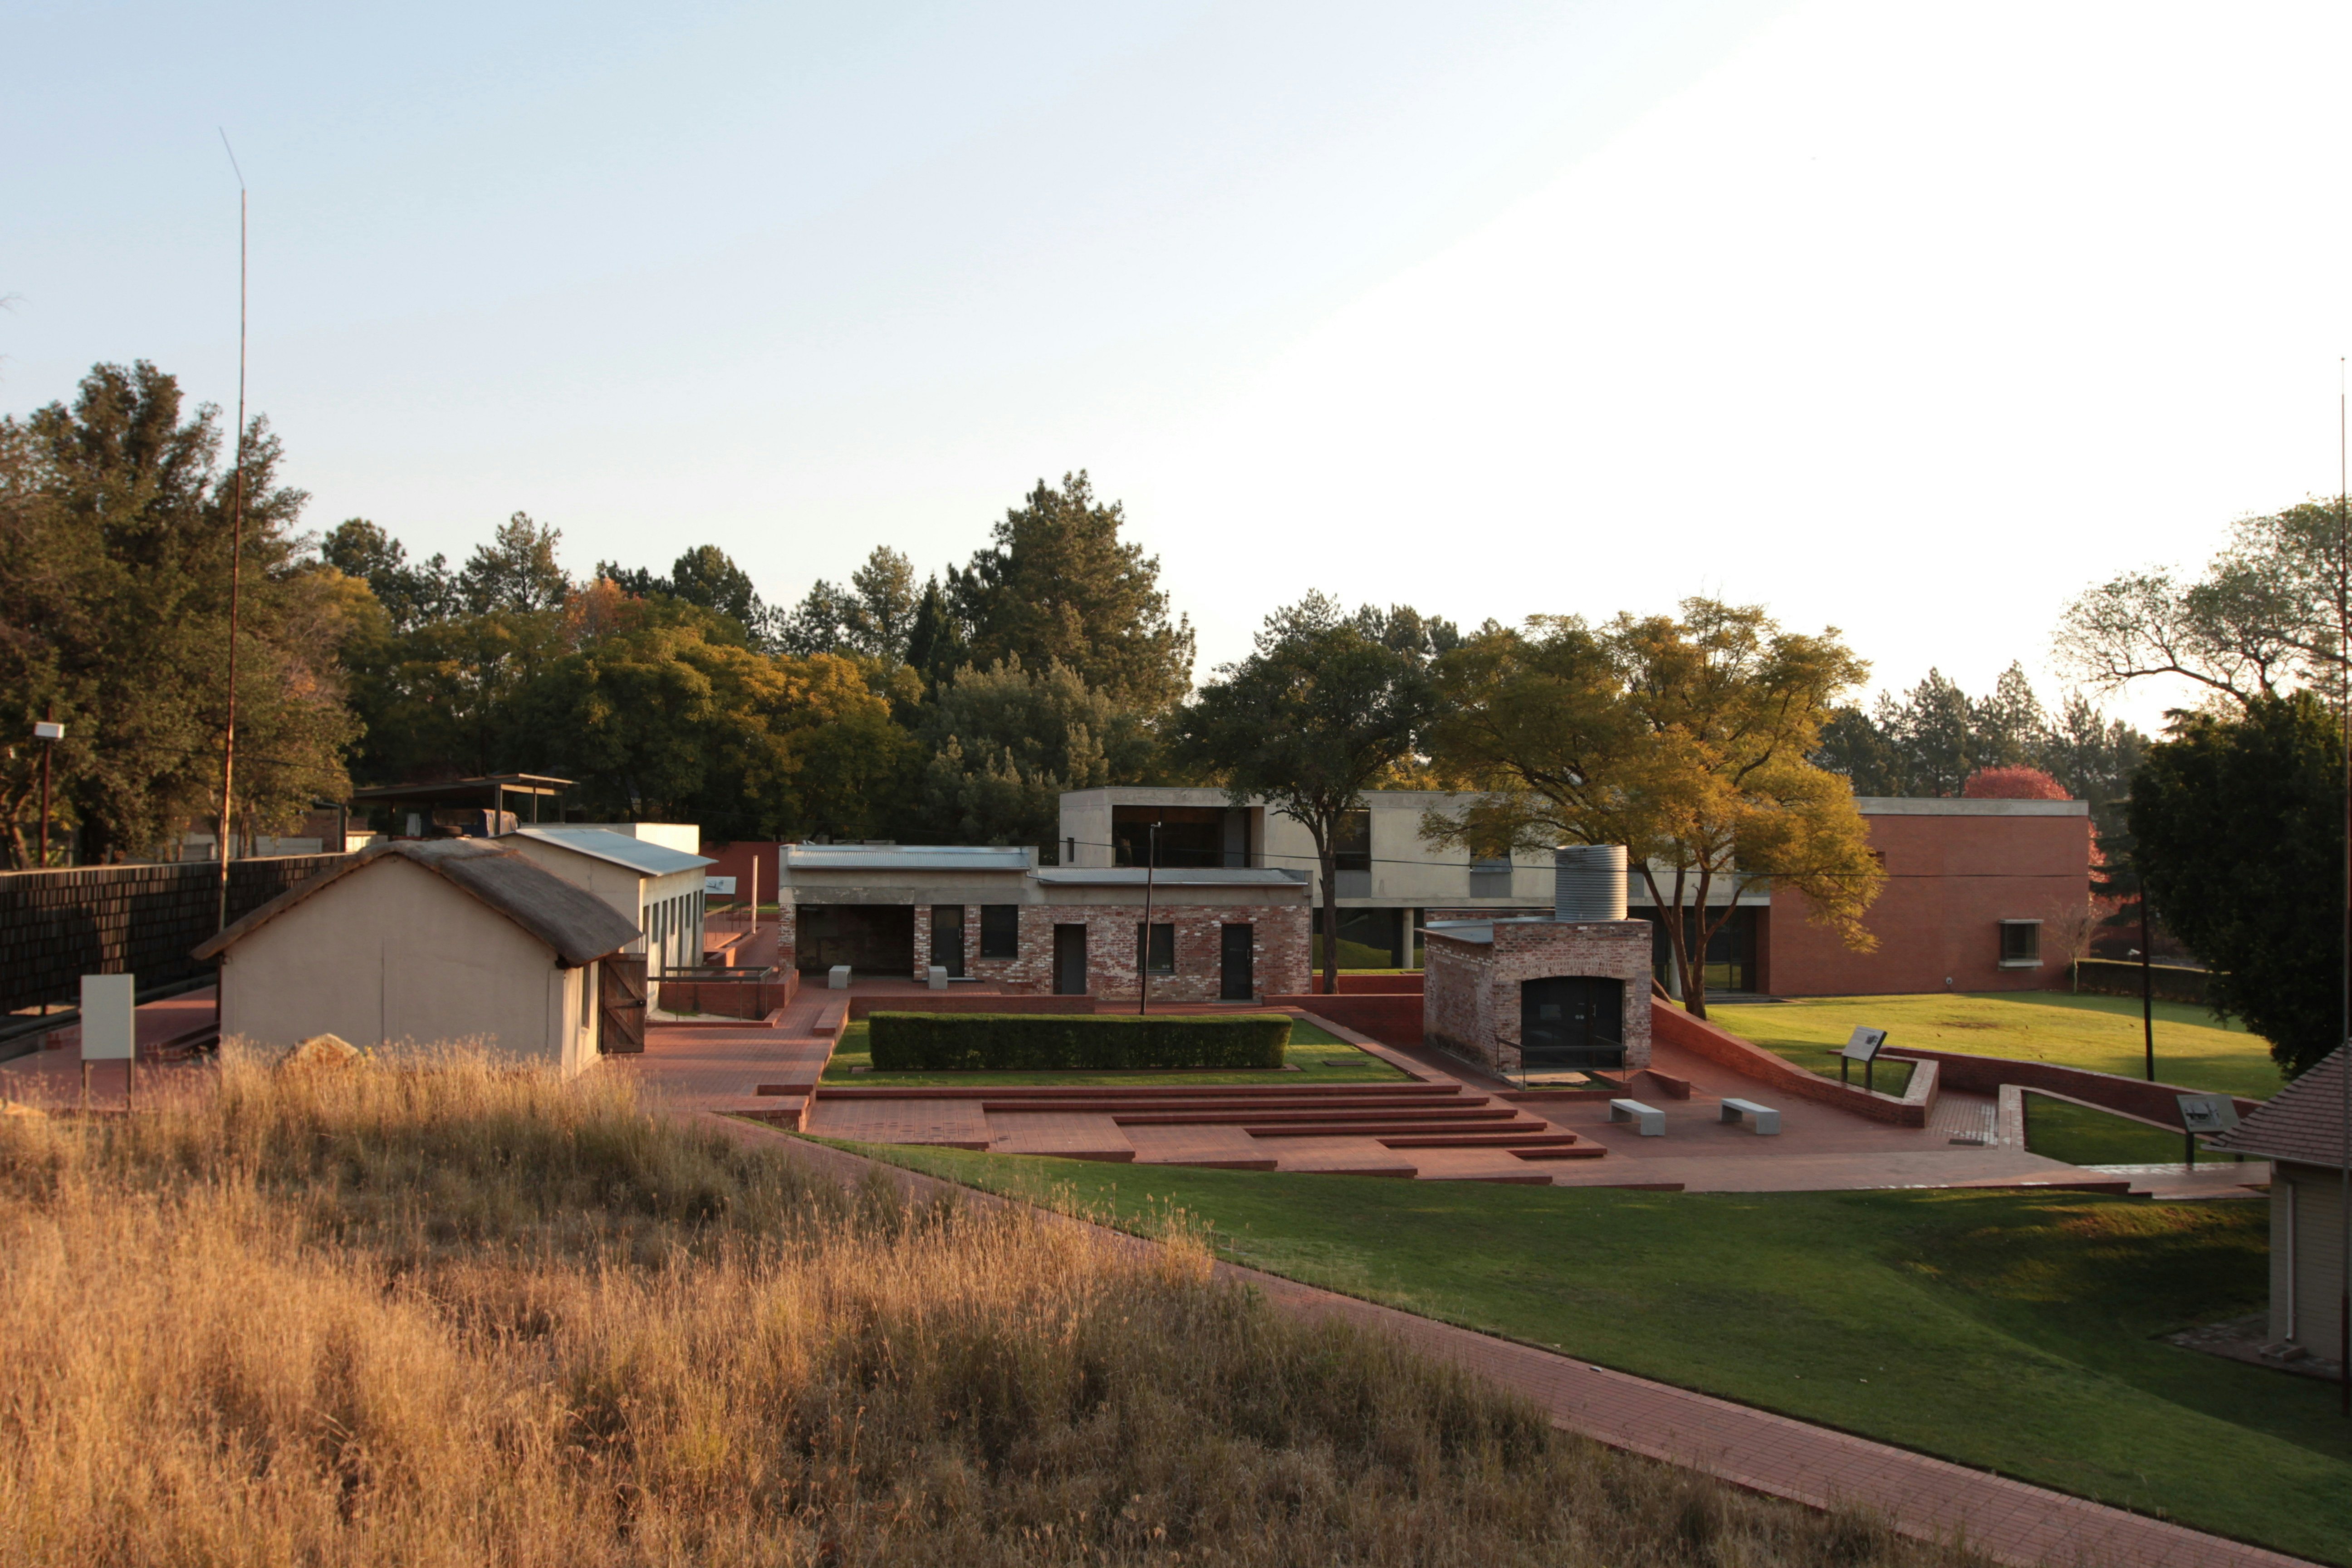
(1956, 870)
(392, 955)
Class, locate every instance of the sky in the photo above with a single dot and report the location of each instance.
(1911, 320)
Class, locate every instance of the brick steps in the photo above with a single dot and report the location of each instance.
(1562, 1152)
(1221, 1165)
(1407, 1119)
(1129, 1109)
(1340, 1129)
(1058, 1096)
(1523, 1138)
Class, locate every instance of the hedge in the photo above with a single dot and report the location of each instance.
(1016, 1042)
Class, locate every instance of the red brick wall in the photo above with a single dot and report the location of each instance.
(736, 860)
(1280, 944)
(1471, 990)
(1951, 880)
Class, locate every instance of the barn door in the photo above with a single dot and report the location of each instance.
(621, 998)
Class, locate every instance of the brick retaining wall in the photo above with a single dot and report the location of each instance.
(1392, 1020)
(2132, 1096)
(1673, 1026)
(141, 920)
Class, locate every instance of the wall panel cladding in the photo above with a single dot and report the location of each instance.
(1279, 946)
(140, 919)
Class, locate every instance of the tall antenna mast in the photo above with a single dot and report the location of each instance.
(236, 548)
(2344, 1036)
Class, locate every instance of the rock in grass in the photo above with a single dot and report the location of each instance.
(320, 1051)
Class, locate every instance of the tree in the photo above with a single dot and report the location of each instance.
(1059, 584)
(1005, 744)
(517, 571)
(2271, 611)
(705, 576)
(1687, 741)
(1323, 709)
(114, 579)
(2017, 783)
(2239, 829)
(871, 618)
(410, 596)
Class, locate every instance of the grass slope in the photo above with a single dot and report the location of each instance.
(2101, 1033)
(2014, 1331)
(1319, 1056)
(465, 1314)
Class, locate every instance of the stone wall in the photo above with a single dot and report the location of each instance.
(141, 919)
(1470, 999)
(1279, 945)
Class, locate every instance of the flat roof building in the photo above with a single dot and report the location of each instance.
(656, 887)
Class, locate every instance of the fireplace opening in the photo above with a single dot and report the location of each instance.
(1571, 1024)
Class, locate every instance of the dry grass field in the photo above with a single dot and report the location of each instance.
(453, 1315)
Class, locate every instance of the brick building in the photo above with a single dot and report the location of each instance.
(992, 916)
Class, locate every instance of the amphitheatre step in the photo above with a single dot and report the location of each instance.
(1263, 1108)
(1509, 1178)
(1564, 1151)
(1531, 1136)
(1406, 1119)
(1240, 1094)
(1221, 1165)
(1337, 1128)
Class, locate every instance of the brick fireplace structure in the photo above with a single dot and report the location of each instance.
(1566, 992)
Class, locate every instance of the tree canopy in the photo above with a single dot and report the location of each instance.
(1326, 708)
(1004, 743)
(2238, 821)
(1688, 741)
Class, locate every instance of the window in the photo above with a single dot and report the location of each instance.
(1352, 843)
(1161, 959)
(2021, 944)
(1490, 875)
(999, 931)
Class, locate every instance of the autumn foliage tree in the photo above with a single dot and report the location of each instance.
(1687, 739)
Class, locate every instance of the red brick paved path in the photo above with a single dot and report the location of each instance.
(1927, 1499)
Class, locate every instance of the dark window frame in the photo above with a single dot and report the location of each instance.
(999, 931)
(1351, 851)
(1163, 934)
(2025, 953)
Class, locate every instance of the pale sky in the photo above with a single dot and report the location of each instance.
(1911, 318)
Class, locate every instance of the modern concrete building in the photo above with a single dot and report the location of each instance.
(991, 915)
(1977, 890)
(2301, 1132)
(424, 942)
(656, 885)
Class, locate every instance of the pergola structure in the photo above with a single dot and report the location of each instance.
(490, 793)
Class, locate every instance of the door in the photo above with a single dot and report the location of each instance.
(947, 938)
(1069, 961)
(1571, 1024)
(621, 1000)
(1238, 965)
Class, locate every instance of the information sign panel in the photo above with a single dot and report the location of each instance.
(719, 885)
(2207, 1112)
(109, 1014)
(1864, 1047)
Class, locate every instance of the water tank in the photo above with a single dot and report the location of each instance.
(1589, 882)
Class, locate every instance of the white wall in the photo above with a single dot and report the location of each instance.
(683, 837)
(392, 955)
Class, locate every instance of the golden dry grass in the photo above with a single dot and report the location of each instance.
(449, 1314)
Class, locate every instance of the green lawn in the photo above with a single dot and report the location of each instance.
(2081, 1135)
(2102, 1033)
(1319, 1056)
(2013, 1332)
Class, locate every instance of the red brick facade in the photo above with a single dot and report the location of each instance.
(1470, 998)
(1278, 947)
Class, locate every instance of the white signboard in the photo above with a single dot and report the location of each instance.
(108, 1017)
(1865, 1046)
(719, 885)
(2207, 1112)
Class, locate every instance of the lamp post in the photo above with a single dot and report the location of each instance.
(49, 733)
(1143, 948)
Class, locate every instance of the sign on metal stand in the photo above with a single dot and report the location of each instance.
(2205, 1113)
(109, 1026)
(1863, 1047)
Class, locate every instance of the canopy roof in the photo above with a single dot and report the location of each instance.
(639, 855)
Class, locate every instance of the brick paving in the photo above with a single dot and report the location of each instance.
(1925, 1498)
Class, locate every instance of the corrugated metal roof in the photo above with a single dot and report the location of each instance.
(580, 927)
(1171, 876)
(641, 855)
(905, 858)
(2304, 1121)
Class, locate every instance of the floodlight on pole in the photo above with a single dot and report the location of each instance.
(235, 550)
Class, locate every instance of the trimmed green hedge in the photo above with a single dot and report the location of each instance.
(1015, 1042)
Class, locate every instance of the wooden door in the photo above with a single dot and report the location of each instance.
(621, 999)
(1237, 968)
(1069, 961)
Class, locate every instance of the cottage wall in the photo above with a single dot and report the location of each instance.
(1278, 945)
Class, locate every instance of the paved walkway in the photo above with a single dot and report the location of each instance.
(1927, 1498)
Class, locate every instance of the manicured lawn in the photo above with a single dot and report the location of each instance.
(1319, 1056)
(2013, 1332)
(2081, 1135)
(2102, 1033)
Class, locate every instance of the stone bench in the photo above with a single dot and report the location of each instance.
(837, 977)
(1650, 1121)
(1763, 1118)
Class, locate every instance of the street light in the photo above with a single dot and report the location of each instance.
(49, 735)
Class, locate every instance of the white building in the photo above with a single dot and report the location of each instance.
(424, 942)
(639, 868)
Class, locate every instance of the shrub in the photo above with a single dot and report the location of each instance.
(1013, 1042)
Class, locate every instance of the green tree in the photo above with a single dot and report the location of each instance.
(115, 587)
(1059, 584)
(871, 619)
(1004, 743)
(516, 572)
(2238, 828)
(1327, 706)
(1687, 741)
(410, 596)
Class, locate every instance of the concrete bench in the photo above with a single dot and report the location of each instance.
(837, 977)
(1765, 1120)
(1649, 1119)
(937, 977)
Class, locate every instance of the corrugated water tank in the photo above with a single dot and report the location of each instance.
(1589, 882)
